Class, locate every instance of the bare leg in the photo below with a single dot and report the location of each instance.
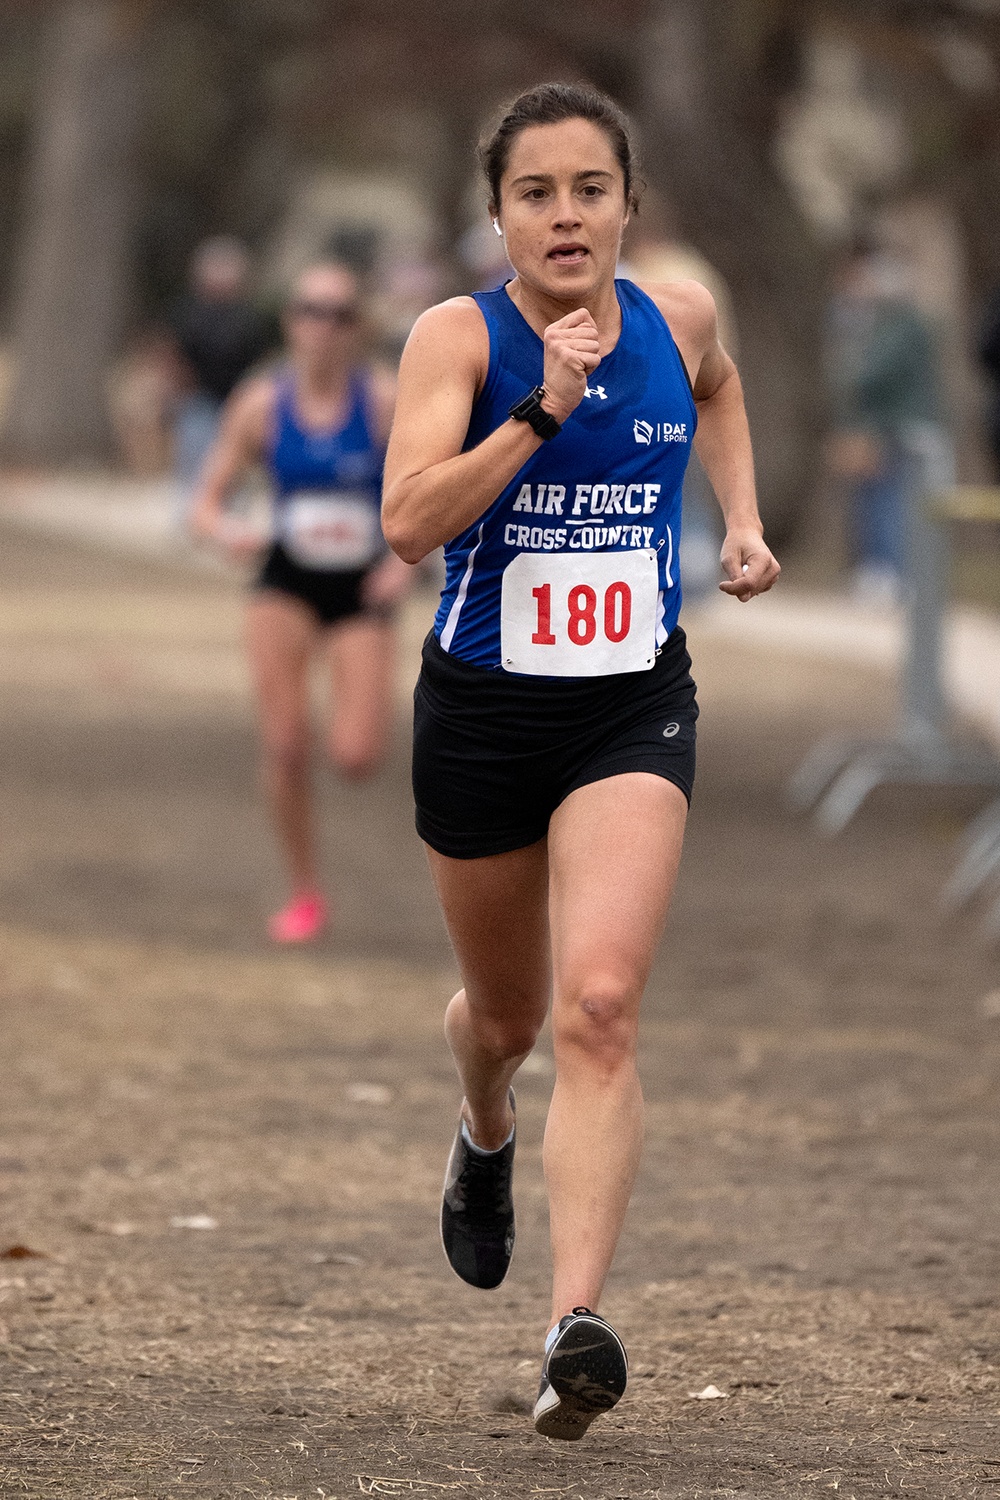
(614, 848)
(496, 916)
(281, 635)
(362, 655)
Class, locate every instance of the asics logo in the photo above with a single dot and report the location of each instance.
(670, 731)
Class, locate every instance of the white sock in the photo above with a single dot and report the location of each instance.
(550, 1337)
(480, 1150)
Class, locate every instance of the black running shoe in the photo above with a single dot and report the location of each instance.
(477, 1212)
(585, 1373)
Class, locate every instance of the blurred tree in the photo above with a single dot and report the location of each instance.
(715, 73)
(157, 122)
(19, 48)
(216, 153)
(73, 285)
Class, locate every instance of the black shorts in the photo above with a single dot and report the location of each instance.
(332, 596)
(494, 754)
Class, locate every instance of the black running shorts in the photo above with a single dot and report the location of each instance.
(494, 754)
(332, 596)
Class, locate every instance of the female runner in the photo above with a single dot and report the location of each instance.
(541, 434)
(319, 425)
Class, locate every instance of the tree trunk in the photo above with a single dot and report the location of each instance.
(74, 286)
(709, 118)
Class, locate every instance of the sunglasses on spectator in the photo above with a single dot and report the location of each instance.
(344, 314)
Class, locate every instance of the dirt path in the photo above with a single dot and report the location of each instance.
(816, 1230)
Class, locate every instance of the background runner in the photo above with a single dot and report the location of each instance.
(328, 584)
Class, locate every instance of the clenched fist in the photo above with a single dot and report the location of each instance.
(572, 353)
(749, 564)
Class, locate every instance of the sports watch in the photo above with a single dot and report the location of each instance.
(531, 410)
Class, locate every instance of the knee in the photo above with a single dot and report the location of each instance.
(286, 755)
(512, 1033)
(508, 1038)
(354, 759)
(595, 1025)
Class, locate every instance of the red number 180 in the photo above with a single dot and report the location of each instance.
(582, 604)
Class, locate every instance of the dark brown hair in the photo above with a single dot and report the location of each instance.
(549, 104)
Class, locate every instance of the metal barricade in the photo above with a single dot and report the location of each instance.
(839, 772)
(979, 848)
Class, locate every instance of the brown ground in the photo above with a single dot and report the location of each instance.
(816, 1229)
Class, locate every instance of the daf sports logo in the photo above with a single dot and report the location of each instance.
(663, 432)
(597, 390)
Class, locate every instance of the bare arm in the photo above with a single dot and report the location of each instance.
(433, 491)
(241, 442)
(382, 389)
(723, 436)
(392, 579)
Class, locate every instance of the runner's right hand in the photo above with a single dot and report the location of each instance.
(572, 353)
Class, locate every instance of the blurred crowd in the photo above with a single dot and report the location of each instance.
(173, 379)
(175, 376)
(883, 364)
(885, 382)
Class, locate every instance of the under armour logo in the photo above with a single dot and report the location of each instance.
(670, 731)
(643, 431)
(597, 390)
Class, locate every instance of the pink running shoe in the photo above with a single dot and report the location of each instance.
(300, 921)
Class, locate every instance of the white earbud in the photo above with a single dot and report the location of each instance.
(496, 226)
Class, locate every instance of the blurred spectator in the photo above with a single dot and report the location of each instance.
(220, 335)
(989, 356)
(142, 394)
(883, 367)
(656, 254)
(410, 282)
(355, 245)
(481, 251)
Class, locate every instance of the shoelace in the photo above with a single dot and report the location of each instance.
(478, 1183)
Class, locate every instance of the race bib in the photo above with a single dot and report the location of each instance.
(582, 614)
(331, 529)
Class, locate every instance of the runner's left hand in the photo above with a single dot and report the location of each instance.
(748, 563)
(389, 583)
(238, 542)
(242, 546)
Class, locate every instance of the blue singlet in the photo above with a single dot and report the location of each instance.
(327, 484)
(610, 482)
(348, 457)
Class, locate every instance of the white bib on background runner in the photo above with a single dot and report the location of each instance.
(330, 529)
(579, 614)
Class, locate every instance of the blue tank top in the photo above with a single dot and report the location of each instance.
(348, 457)
(610, 482)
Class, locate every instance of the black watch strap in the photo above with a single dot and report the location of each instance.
(530, 410)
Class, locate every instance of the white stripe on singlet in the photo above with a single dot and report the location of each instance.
(661, 631)
(451, 624)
